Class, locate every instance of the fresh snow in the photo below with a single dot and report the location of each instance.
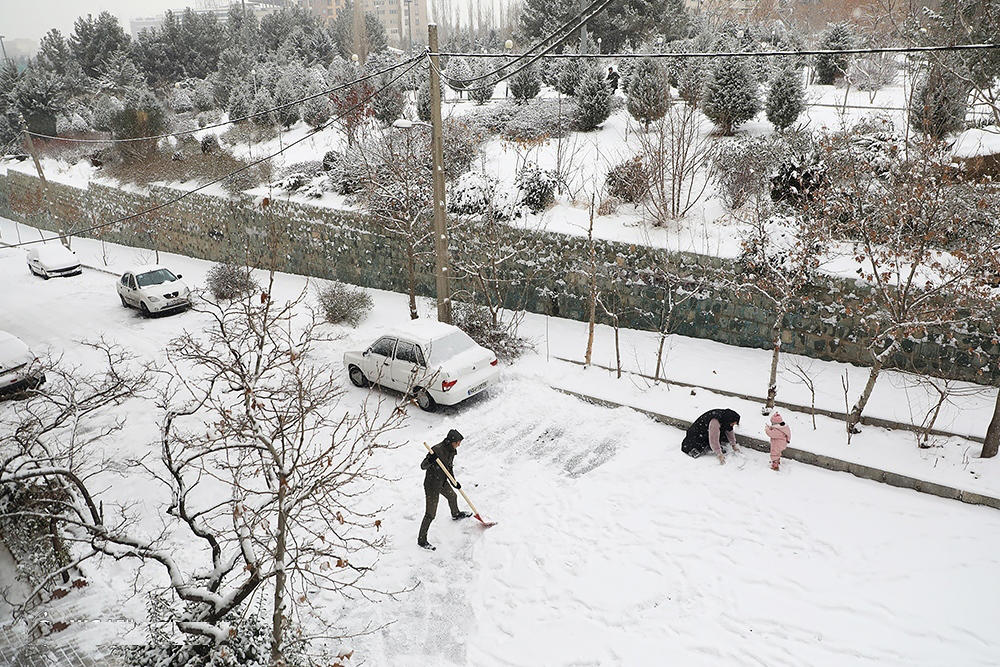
(612, 547)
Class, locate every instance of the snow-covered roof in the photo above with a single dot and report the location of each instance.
(423, 330)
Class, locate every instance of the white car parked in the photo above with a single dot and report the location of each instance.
(53, 259)
(153, 289)
(18, 366)
(437, 363)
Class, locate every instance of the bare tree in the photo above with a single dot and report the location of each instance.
(805, 376)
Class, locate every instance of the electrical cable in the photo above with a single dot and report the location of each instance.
(249, 165)
(231, 121)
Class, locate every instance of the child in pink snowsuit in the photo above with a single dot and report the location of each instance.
(780, 435)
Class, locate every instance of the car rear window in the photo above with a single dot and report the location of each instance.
(448, 346)
(157, 277)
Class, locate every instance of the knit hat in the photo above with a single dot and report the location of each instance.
(453, 436)
(776, 418)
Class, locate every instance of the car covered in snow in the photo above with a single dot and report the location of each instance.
(53, 259)
(153, 289)
(436, 363)
(19, 368)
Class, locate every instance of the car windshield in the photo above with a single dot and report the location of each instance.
(157, 277)
(450, 345)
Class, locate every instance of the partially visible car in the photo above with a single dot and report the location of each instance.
(153, 289)
(436, 363)
(53, 259)
(19, 369)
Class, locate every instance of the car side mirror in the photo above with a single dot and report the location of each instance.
(367, 352)
(179, 276)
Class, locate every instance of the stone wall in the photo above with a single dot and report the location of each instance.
(344, 245)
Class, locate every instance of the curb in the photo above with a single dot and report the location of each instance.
(833, 414)
(818, 460)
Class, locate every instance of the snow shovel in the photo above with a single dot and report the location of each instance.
(475, 512)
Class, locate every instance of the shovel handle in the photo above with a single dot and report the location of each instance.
(452, 479)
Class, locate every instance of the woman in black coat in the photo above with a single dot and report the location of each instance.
(704, 435)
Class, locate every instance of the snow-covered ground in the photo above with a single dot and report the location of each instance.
(612, 548)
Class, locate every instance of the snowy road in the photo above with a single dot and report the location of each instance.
(613, 548)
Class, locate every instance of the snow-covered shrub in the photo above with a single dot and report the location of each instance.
(180, 101)
(343, 303)
(141, 116)
(482, 90)
(628, 181)
(457, 72)
(105, 107)
(290, 87)
(833, 66)
(424, 102)
(593, 101)
(342, 176)
(537, 187)
(873, 71)
(500, 337)
(261, 109)
(36, 550)
(526, 84)
(541, 119)
(472, 193)
(8, 136)
(318, 110)
(390, 103)
(240, 100)
(732, 96)
(744, 166)
(940, 102)
(209, 143)
(569, 73)
(786, 98)
(202, 96)
(693, 75)
(799, 176)
(70, 124)
(206, 118)
(228, 281)
(461, 142)
(872, 141)
(648, 93)
(493, 118)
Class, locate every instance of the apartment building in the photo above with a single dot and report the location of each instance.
(404, 20)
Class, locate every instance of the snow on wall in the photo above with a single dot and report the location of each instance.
(344, 245)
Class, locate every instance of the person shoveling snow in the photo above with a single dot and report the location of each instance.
(439, 464)
(704, 434)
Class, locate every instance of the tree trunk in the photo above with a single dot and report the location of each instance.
(411, 278)
(772, 381)
(992, 443)
(593, 288)
(277, 618)
(855, 417)
(659, 355)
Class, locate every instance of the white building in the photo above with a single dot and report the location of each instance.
(220, 8)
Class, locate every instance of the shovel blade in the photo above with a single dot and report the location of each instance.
(486, 524)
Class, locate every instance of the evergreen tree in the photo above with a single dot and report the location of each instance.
(8, 136)
(830, 67)
(342, 31)
(40, 96)
(142, 115)
(318, 110)
(94, 41)
(389, 104)
(940, 102)
(241, 100)
(424, 102)
(55, 55)
(242, 30)
(200, 43)
(288, 89)
(458, 70)
(648, 93)
(569, 72)
(623, 22)
(120, 75)
(526, 84)
(676, 22)
(732, 96)
(593, 100)
(202, 96)
(786, 98)
(262, 102)
(105, 108)
(692, 81)
(482, 90)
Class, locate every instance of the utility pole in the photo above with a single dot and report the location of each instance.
(359, 30)
(409, 23)
(437, 155)
(583, 28)
(3, 48)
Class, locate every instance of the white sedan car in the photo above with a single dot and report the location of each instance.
(437, 363)
(18, 366)
(153, 289)
(53, 259)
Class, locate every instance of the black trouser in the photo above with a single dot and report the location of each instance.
(433, 491)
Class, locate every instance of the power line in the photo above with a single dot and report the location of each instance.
(231, 121)
(249, 165)
(739, 54)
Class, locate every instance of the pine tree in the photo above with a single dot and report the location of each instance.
(593, 100)
(732, 96)
(202, 96)
(481, 91)
(262, 102)
(649, 92)
(389, 104)
(94, 41)
(424, 102)
(830, 67)
(241, 100)
(119, 75)
(142, 115)
(786, 98)
(526, 84)
(40, 96)
(569, 72)
(676, 22)
(456, 73)
(286, 90)
(55, 55)
(318, 110)
(939, 104)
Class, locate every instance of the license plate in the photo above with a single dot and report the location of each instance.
(174, 302)
(477, 388)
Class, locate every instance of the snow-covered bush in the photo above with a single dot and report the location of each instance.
(526, 84)
(537, 187)
(142, 115)
(939, 104)
(873, 71)
(180, 101)
(240, 100)
(569, 73)
(482, 90)
(693, 75)
(206, 118)
(833, 66)
(318, 110)
(786, 98)
(472, 194)
(261, 108)
(342, 176)
(628, 181)
(457, 72)
(648, 93)
(228, 281)
(105, 107)
(500, 337)
(593, 101)
(390, 103)
(732, 96)
(209, 143)
(744, 166)
(202, 96)
(541, 119)
(72, 123)
(801, 173)
(424, 102)
(342, 303)
(36, 550)
(290, 87)
(493, 118)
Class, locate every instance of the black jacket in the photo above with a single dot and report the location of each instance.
(696, 439)
(445, 453)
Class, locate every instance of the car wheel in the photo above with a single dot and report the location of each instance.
(145, 311)
(124, 302)
(424, 400)
(358, 378)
